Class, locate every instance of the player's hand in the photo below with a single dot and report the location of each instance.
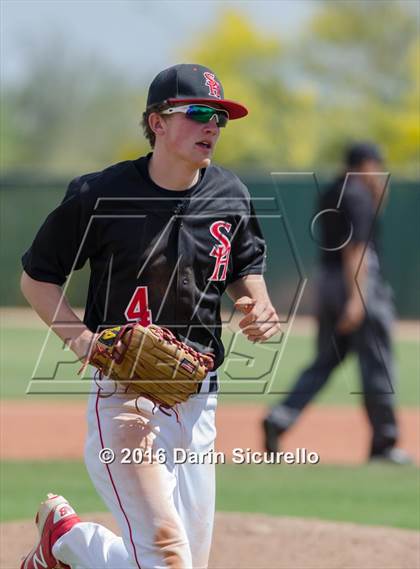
(352, 317)
(261, 320)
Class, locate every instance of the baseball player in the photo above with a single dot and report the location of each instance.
(345, 323)
(165, 235)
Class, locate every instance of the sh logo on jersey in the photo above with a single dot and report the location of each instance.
(221, 251)
(212, 84)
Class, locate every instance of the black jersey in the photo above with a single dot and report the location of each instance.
(353, 221)
(155, 255)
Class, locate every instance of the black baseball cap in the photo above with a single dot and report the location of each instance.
(361, 151)
(191, 83)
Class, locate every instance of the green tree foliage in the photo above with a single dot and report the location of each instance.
(398, 124)
(364, 59)
(277, 133)
(351, 74)
(358, 47)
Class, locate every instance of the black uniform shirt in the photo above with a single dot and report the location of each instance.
(155, 255)
(353, 222)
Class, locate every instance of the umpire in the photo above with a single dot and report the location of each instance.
(348, 231)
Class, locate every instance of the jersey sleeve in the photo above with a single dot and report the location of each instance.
(360, 213)
(63, 242)
(248, 248)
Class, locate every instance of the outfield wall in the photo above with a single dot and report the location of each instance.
(285, 209)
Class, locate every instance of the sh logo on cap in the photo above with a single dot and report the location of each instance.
(212, 84)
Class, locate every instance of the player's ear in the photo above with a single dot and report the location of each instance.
(157, 123)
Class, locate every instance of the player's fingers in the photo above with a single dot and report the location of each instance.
(268, 314)
(267, 328)
(259, 327)
(245, 304)
(248, 319)
(248, 307)
(266, 335)
(261, 312)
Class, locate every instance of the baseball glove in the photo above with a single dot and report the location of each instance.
(151, 362)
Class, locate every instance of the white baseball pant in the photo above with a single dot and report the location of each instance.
(165, 511)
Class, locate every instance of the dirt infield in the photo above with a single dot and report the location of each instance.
(338, 434)
(244, 541)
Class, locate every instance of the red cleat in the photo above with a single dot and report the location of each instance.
(54, 518)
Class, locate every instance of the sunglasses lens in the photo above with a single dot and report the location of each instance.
(199, 114)
(205, 114)
(222, 120)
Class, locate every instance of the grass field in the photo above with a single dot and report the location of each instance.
(20, 349)
(373, 495)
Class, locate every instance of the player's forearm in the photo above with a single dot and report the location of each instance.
(355, 277)
(354, 267)
(251, 285)
(52, 307)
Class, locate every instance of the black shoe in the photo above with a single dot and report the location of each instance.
(392, 455)
(271, 436)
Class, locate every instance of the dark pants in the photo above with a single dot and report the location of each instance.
(373, 345)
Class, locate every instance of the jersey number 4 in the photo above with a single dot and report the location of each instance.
(138, 307)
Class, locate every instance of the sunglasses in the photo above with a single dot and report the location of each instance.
(200, 113)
